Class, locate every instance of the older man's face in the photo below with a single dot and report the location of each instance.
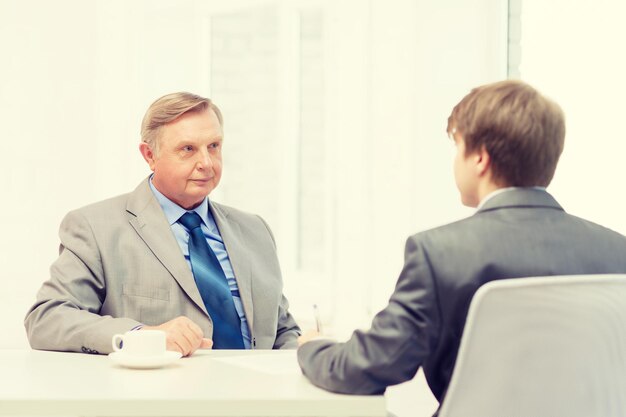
(188, 165)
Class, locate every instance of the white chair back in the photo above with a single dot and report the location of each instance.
(545, 346)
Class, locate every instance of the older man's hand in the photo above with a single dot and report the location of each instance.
(183, 335)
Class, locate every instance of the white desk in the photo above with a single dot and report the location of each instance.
(210, 383)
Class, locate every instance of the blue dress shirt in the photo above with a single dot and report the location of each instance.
(173, 212)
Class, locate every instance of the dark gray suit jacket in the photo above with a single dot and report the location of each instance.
(518, 233)
(120, 265)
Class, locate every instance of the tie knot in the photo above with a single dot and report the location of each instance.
(190, 220)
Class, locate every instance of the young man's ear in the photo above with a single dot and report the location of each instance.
(482, 161)
(148, 155)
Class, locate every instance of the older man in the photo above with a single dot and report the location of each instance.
(165, 256)
(508, 140)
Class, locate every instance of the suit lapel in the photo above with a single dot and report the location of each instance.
(151, 225)
(237, 254)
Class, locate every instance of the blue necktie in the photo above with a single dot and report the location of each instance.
(213, 287)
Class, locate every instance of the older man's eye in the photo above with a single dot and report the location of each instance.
(188, 148)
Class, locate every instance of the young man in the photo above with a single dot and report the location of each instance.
(508, 139)
(165, 256)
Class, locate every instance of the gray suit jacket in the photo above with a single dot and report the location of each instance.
(518, 233)
(120, 265)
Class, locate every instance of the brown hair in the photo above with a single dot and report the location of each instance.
(522, 131)
(169, 108)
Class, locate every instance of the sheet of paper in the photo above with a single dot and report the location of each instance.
(264, 363)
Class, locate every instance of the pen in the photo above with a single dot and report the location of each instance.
(318, 322)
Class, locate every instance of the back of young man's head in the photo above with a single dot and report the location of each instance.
(521, 130)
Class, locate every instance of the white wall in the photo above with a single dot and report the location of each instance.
(78, 75)
(573, 52)
(75, 79)
(420, 59)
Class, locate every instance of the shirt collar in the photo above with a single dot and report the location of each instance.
(503, 190)
(173, 211)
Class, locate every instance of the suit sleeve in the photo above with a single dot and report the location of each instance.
(66, 315)
(401, 336)
(287, 331)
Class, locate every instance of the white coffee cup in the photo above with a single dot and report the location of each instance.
(140, 342)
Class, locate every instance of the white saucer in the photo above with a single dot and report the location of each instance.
(144, 362)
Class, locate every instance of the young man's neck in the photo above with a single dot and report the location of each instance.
(486, 188)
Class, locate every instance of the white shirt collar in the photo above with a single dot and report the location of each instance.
(173, 211)
(500, 191)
